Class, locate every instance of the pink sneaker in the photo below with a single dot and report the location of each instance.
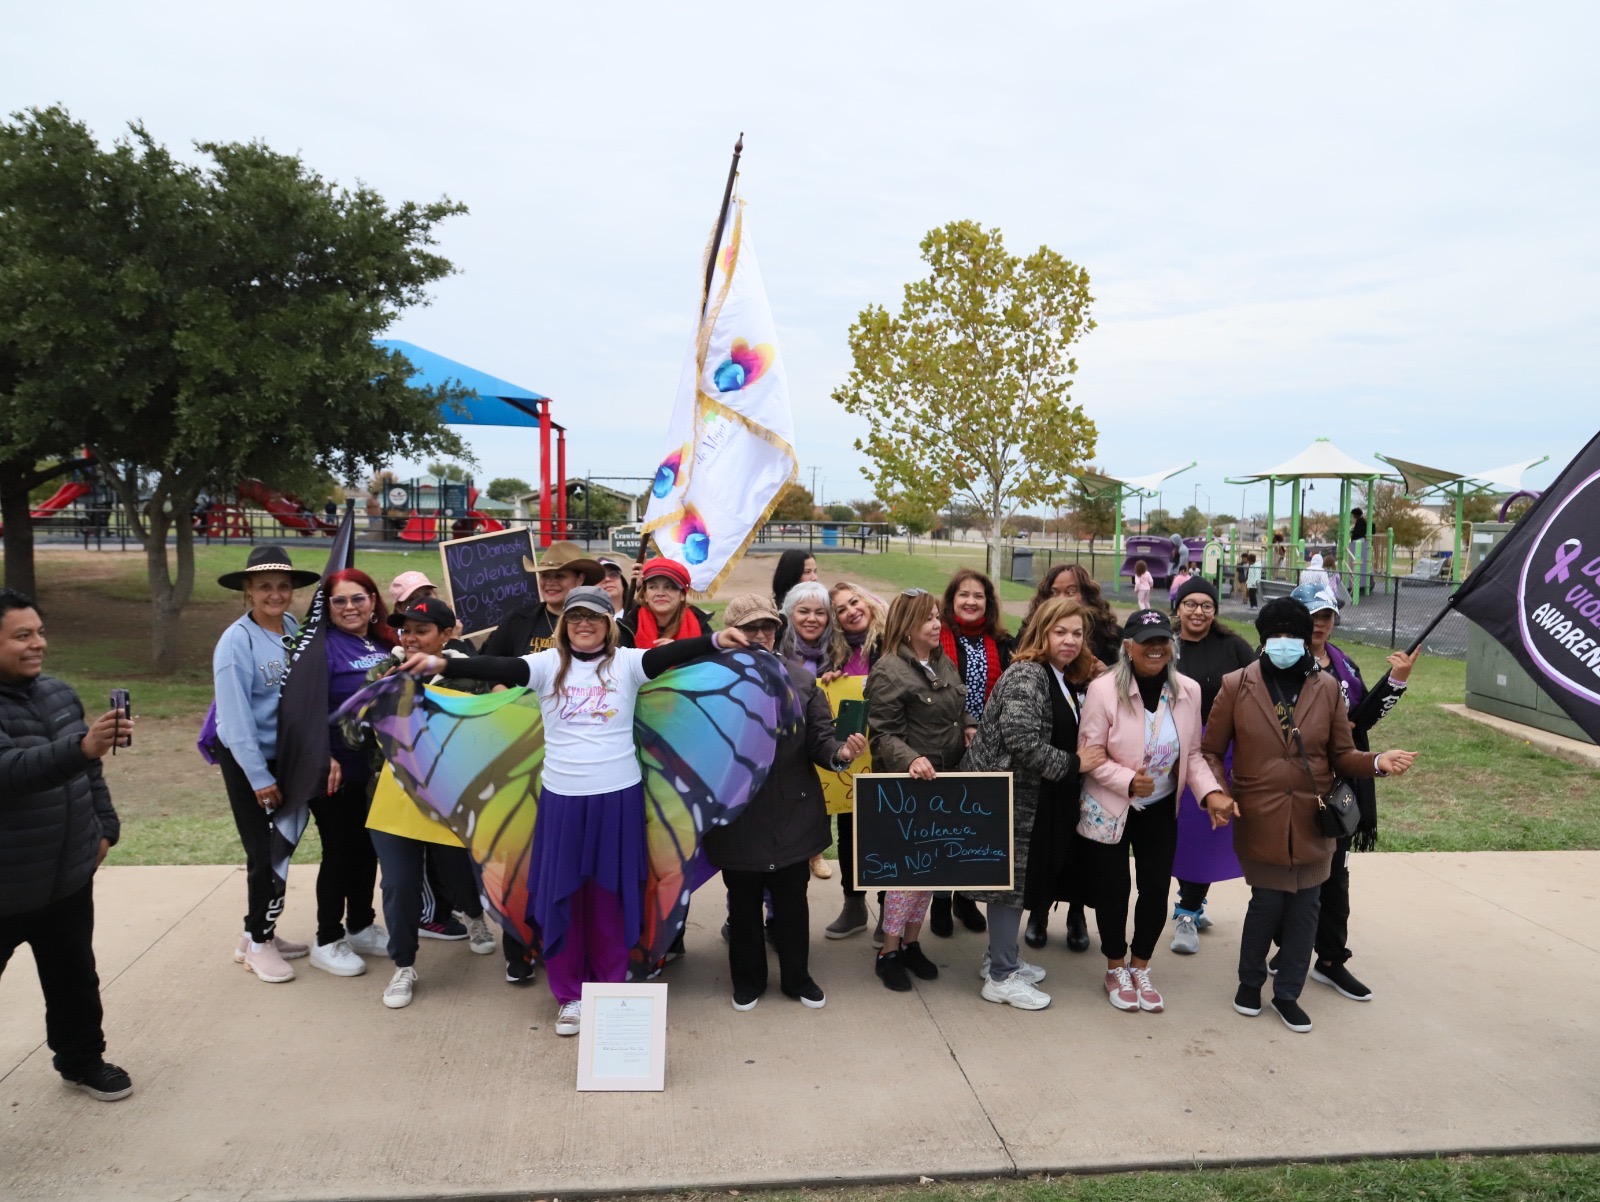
(1119, 988)
(264, 960)
(287, 948)
(1149, 999)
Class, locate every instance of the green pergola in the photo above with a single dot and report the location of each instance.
(1097, 484)
(1421, 482)
(1320, 461)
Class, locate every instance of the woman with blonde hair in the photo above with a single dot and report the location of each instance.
(1030, 729)
(859, 618)
(916, 699)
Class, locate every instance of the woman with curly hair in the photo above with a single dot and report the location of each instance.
(1072, 580)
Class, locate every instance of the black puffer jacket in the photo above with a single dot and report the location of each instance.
(787, 820)
(54, 805)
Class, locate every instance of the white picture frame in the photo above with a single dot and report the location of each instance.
(622, 1037)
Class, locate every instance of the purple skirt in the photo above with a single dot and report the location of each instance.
(599, 838)
(1204, 855)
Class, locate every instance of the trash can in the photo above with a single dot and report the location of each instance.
(1022, 565)
(830, 536)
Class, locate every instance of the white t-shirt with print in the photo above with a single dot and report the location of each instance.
(588, 729)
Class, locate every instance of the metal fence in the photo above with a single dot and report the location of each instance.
(1392, 611)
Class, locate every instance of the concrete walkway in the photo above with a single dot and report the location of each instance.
(1483, 1037)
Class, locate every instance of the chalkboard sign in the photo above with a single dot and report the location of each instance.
(486, 579)
(953, 832)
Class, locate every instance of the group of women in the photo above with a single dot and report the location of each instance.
(1175, 744)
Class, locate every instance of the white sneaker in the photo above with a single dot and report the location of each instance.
(397, 994)
(1186, 936)
(1031, 973)
(567, 1018)
(1015, 991)
(374, 941)
(339, 958)
(479, 937)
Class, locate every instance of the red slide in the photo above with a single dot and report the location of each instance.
(64, 496)
(291, 512)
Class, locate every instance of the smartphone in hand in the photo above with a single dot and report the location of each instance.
(121, 701)
(852, 719)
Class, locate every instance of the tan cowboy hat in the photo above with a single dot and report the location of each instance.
(569, 556)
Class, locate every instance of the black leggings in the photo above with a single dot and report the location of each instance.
(847, 855)
(1152, 836)
(264, 889)
(349, 870)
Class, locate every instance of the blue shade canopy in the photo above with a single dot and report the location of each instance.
(497, 403)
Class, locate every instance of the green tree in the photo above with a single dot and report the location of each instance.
(869, 509)
(1221, 521)
(1092, 517)
(967, 392)
(1158, 521)
(450, 473)
(507, 488)
(1389, 509)
(1193, 523)
(839, 513)
(963, 516)
(794, 505)
(206, 323)
(915, 513)
(1476, 507)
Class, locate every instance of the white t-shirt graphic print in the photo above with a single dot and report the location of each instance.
(588, 728)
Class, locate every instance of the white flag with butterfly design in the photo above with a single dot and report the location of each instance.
(730, 442)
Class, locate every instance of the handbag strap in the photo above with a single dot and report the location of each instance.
(1299, 743)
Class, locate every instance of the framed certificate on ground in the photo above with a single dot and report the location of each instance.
(622, 1037)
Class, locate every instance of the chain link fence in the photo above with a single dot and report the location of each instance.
(1392, 612)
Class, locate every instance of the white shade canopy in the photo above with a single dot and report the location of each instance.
(1509, 477)
(1320, 461)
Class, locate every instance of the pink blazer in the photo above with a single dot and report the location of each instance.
(1120, 729)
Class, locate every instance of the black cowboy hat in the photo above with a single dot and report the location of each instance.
(267, 559)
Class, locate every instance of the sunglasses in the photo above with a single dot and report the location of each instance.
(360, 600)
(585, 617)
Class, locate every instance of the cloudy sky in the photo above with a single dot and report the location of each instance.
(1374, 224)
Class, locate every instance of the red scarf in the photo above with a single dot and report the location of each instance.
(647, 632)
(973, 630)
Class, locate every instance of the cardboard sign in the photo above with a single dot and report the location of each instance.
(839, 788)
(953, 832)
(622, 1037)
(485, 578)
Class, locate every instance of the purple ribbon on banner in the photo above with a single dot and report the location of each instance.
(1564, 559)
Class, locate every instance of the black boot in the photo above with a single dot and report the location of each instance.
(939, 916)
(1035, 935)
(1077, 930)
(967, 911)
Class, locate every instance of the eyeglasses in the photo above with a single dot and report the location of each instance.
(1198, 607)
(585, 617)
(360, 601)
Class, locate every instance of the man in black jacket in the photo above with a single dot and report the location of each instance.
(56, 826)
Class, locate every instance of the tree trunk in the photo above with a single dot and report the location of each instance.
(168, 596)
(991, 551)
(17, 514)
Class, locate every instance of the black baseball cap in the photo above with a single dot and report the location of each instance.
(1143, 625)
(432, 610)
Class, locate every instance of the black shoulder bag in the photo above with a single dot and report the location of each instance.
(1338, 813)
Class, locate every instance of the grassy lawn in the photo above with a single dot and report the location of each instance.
(1462, 1179)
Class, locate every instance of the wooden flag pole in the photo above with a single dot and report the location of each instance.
(711, 270)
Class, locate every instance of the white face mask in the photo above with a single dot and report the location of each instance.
(1285, 652)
